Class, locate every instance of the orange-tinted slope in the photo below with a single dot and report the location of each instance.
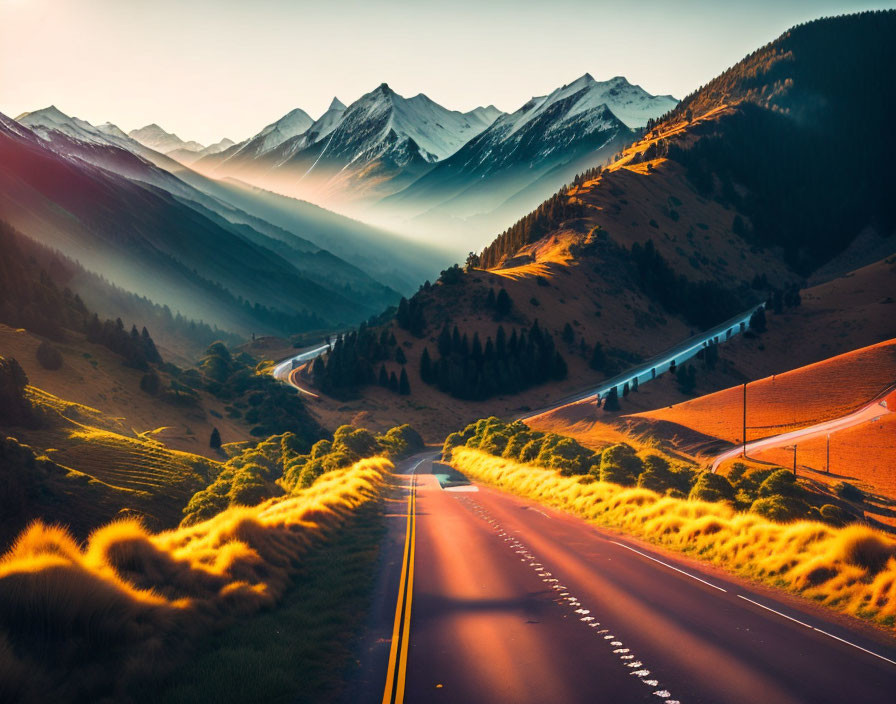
(795, 399)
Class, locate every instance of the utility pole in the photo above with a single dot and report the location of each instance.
(794, 461)
(744, 430)
(827, 463)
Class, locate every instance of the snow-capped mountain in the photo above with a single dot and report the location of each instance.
(292, 124)
(47, 121)
(156, 138)
(526, 155)
(365, 151)
(321, 128)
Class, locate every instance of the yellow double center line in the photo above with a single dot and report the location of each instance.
(398, 653)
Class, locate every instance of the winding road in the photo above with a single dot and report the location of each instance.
(486, 597)
(867, 414)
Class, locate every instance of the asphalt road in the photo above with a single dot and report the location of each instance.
(867, 414)
(485, 597)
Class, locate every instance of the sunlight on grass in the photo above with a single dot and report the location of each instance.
(121, 611)
(851, 569)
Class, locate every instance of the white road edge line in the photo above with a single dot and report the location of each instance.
(864, 650)
(829, 635)
(671, 567)
(768, 608)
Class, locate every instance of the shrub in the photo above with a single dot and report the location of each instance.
(781, 482)
(833, 515)
(781, 509)
(850, 492)
(737, 472)
(657, 475)
(48, 356)
(712, 487)
(620, 465)
(400, 440)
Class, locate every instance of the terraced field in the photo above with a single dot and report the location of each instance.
(107, 473)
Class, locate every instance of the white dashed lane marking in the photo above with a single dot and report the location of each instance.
(565, 599)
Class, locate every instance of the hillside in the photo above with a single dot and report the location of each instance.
(175, 251)
(668, 239)
(699, 429)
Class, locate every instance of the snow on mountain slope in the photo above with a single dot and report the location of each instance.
(631, 104)
(292, 124)
(156, 138)
(525, 156)
(321, 128)
(47, 120)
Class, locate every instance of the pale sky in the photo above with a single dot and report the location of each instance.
(207, 69)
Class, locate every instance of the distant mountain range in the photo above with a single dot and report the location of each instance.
(155, 227)
(216, 232)
(510, 167)
(362, 152)
(410, 161)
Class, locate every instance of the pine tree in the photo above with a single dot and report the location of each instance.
(393, 382)
(568, 335)
(404, 386)
(611, 403)
(215, 440)
(598, 360)
(757, 321)
(503, 304)
(384, 377)
(400, 356)
(426, 366)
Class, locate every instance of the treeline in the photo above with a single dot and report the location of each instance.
(35, 294)
(701, 303)
(471, 370)
(352, 363)
(137, 348)
(30, 298)
(531, 228)
(825, 122)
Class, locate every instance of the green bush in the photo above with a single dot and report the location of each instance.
(781, 508)
(712, 487)
(780, 482)
(833, 515)
(620, 465)
(657, 474)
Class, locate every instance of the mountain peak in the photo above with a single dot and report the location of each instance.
(50, 112)
(336, 104)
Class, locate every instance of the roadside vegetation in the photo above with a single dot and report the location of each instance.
(120, 612)
(759, 524)
(278, 466)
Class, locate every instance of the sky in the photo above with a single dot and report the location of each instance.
(208, 69)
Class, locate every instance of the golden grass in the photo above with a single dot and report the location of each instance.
(86, 623)
(851, 569)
